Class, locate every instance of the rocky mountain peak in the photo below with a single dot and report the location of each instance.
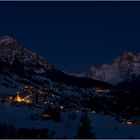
(8, 43)
(124, 67)
(128, 56)
(12, 53)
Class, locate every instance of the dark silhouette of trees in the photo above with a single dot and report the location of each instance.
(85, 130)
(10, 132)
(54, 113)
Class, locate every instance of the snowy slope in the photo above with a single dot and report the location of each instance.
(108, 128)
(20, 118)
(102, 126)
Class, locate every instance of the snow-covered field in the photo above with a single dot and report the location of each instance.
(105, 127)
(102, 126)
(20, 118)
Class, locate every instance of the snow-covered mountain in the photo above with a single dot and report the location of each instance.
(12, 53)
(123, 68)
(20, 67)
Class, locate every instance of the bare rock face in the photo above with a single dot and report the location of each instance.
(11, 52)
(124, 67)
(19, 66)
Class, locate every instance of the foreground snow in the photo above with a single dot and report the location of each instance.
(102, 126)
(105, 127)
(20, 118)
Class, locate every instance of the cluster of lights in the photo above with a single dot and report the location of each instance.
(25, 99)
(128, 122)
(29, 90)
(46, 115)
(100, 90)
(61, 107)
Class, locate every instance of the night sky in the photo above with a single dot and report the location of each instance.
(73, 35)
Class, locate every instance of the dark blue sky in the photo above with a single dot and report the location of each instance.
(73, 35)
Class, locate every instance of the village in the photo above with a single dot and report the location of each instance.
(45, 98)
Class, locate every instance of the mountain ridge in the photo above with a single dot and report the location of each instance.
(30, 68)
(123, 68)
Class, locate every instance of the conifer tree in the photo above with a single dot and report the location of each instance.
(85, 130)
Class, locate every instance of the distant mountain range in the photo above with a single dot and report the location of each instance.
(125, 67)
(23, 66)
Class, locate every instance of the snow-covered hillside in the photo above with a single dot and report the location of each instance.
(102, 126)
